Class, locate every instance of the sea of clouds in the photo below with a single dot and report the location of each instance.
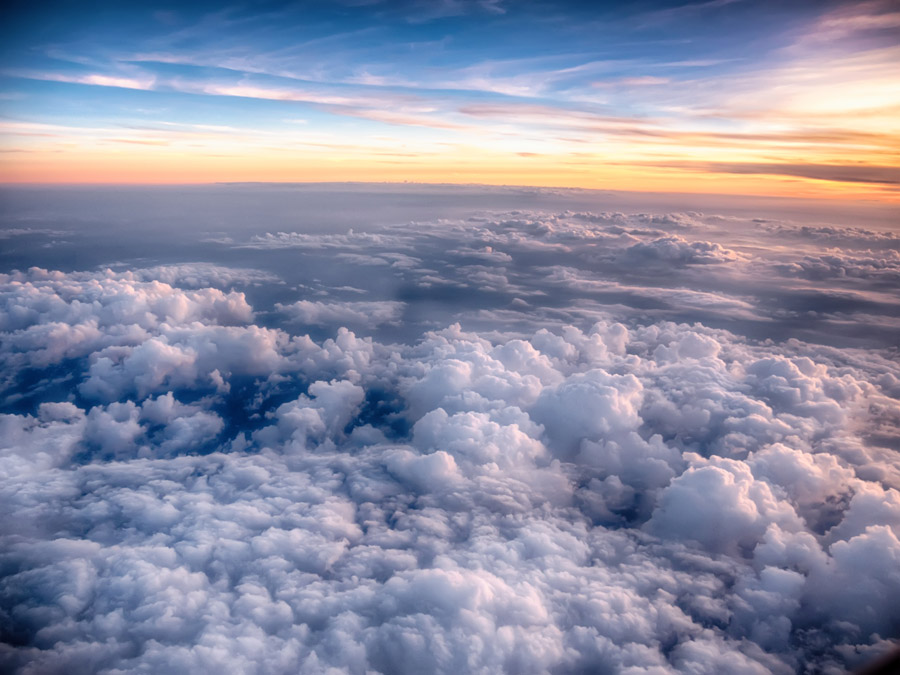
(521, 442)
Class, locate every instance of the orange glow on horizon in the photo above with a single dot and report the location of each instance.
(814, 114)
(148, 166)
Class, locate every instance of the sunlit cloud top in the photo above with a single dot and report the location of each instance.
(709, 96)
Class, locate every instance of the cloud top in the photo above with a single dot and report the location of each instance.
(538, 466)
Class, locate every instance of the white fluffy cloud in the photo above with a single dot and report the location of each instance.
(194, 491)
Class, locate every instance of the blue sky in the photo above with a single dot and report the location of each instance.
(596, 94)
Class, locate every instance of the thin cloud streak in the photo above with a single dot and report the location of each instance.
(840, 173)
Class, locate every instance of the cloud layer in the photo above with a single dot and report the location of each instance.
(562, 475)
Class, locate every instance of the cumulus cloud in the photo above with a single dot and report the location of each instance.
(199, 485)
(677, 251)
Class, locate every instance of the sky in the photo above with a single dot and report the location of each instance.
(714, 96)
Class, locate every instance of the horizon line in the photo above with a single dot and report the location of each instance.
(827, 197)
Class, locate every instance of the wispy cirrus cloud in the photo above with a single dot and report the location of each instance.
(144, 81)
(598, 85)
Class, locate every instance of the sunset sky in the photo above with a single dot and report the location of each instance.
(449, 337)
(722, 96)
